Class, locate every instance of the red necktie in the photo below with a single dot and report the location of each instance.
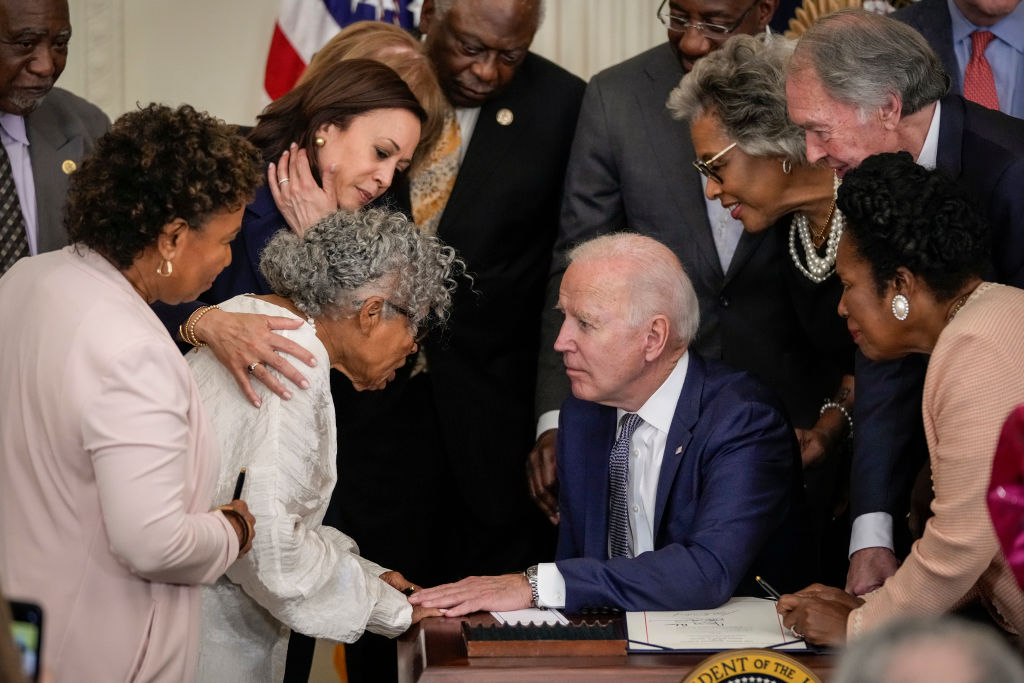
(979, 85)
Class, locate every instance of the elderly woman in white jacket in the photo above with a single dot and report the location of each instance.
(364, 284)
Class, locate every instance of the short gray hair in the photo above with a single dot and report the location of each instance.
(868, 659)
(442, 7)
(743, 85)
(862, 58)
(658, 284)
(351, 255)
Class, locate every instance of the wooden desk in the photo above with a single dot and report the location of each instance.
(433, 651)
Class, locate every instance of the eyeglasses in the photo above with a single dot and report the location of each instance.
(709, 31)
(705, 166)
(418, 330)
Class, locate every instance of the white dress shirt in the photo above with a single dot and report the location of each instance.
(646, 450)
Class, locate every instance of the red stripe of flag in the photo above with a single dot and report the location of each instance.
(284, 65)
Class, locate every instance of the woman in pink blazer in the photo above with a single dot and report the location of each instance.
(107, 463)
(911, 264)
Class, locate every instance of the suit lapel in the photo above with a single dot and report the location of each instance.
(951, 126)
(595, 451)
(49, 146)
(679, 434)
(487, 149)
(670, 142)
(745, 249)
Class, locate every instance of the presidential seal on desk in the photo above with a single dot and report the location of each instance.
(751, 666)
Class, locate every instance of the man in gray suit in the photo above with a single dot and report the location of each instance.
(948, 26)
(46, 131)
(630, 169)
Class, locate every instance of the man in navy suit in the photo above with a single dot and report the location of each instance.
(861, 84)
(681, 507)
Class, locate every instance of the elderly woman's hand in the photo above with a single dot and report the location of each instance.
(298, 197)
(244, 340)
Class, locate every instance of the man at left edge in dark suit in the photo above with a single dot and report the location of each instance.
(711, 494)
(45, 130)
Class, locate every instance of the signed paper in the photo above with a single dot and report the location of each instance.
(739, 623)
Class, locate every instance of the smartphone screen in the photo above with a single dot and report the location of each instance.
(27, 629)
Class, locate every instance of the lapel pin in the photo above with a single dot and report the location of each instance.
(504, 117)
(68, 166)
(679, 450)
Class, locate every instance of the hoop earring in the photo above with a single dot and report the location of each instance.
(900, 307)
(165, 269)
(319, 141)
(787, 166)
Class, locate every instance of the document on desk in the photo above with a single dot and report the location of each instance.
(739, 623)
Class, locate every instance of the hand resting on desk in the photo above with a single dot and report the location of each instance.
(477, 593)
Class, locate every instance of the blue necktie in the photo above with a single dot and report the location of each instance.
(618, 481)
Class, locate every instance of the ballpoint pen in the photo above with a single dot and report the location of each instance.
(767, 587)
(238, 484)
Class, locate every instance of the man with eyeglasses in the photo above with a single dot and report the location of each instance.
(630, 169)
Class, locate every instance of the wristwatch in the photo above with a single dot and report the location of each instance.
(531, 576)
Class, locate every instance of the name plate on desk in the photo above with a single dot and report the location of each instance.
(739, 623)
(532, 640)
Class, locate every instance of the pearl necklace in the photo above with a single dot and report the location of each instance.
(818, 268)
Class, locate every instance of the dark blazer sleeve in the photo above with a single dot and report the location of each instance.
(730, 491)
(889, 445)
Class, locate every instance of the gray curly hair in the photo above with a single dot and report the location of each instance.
(743, 85)
(351, 255)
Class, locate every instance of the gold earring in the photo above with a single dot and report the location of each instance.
(165, 269)
(319, 141)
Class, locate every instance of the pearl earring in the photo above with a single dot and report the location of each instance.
(319, 141)
(900, 307)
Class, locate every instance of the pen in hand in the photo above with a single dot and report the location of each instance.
(239, 483)
(767, 587)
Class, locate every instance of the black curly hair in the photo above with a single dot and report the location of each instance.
(155, 165)
(901, 214)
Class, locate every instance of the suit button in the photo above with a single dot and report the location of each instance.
(724, 301)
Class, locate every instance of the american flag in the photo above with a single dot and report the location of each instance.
(303, 26)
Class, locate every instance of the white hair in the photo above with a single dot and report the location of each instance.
(658, 283)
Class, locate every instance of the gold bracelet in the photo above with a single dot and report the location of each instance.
(189, 335)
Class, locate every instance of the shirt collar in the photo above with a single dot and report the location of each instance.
(930, 149)
(1008, 29)
(660, 408)
(14, 127)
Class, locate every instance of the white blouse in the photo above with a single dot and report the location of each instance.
(299, 574)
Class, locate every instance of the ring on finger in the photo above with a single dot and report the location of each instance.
(284, 180)
(252, 366)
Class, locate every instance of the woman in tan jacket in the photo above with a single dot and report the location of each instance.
(911, 264)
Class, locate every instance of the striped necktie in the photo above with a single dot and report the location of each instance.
(618, 482)
(13, 238)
